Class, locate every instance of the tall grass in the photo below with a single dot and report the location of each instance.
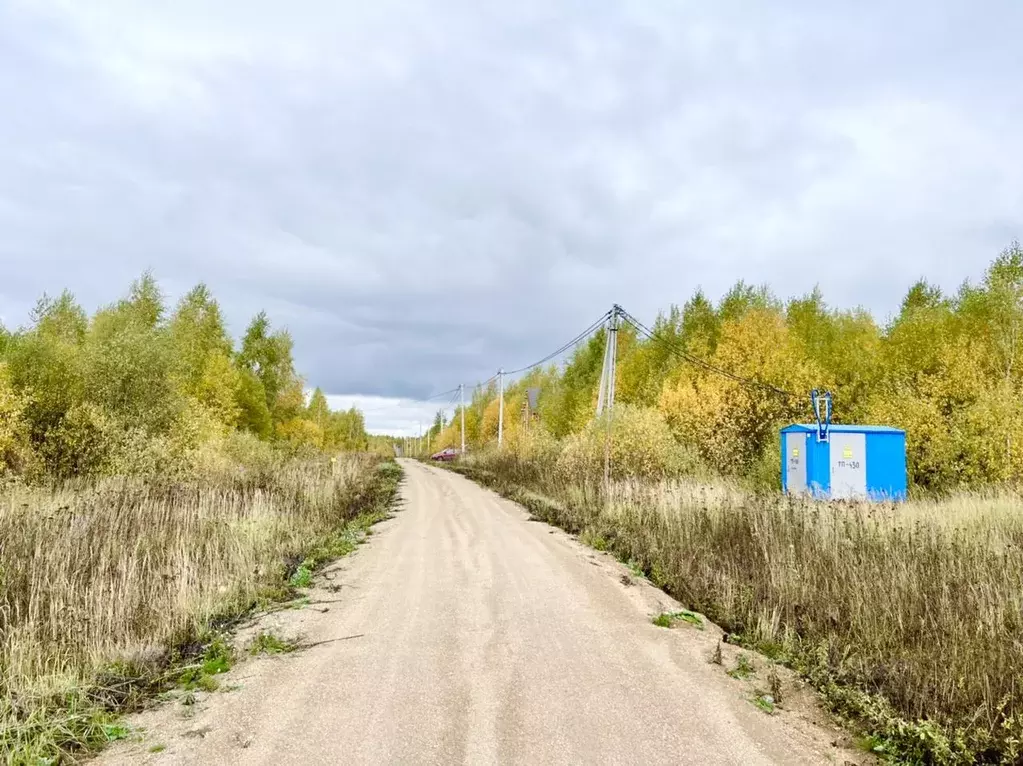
(117, 573)
(909, 618)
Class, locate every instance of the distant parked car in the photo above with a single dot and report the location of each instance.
(445, 454)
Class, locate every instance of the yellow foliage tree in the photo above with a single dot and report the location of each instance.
(731, 423)
(131, 391)
(16, 454)
(300, 433)
(217, 388)
(640, 442)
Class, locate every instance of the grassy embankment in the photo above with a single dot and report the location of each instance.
(908, 619)
(117, 590)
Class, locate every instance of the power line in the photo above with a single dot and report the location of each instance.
(592, 328)
(480, 386)
(673, 346)
(487, 382)
(686, 356)
(588, 331)
(441, 394)
(406, 401)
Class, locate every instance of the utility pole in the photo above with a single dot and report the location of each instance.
(500, 408)
(606, 399)
(461, 393)
(614, 360)
(606, 393)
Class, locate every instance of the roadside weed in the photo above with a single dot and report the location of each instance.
(268, 643)
(668, 619)
(744, 667)
(766, 703)
(303, 576)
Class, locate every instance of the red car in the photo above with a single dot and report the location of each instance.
(445, 454)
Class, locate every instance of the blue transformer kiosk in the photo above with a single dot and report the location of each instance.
(844, 462)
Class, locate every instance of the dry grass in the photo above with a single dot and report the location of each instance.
(909, 618)
(102, 581)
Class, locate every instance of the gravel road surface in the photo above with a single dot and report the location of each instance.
(464, 633)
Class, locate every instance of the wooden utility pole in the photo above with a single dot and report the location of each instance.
(500, 408)
(606, 394)
(606, 398)
(461, 393)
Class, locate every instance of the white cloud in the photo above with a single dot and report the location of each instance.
(389, 415)
(423, 193)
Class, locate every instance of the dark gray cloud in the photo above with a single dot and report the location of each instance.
(423, 192)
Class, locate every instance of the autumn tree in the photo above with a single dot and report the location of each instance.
(734, 421)
(133, 390)
(318, 410)
(267, 355)
(204, 368)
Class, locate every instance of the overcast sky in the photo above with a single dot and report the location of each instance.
(422, 192)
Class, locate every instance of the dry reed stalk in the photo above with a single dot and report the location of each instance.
(919, 606)
(119, 571)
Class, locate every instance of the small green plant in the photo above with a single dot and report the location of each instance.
(668, 619)
(636, 568)
(157, 748)
(594, 540)
(772, 649)
(663, 620)
(216, 659)
(872, 744)
(691, 617)
(766, 703)
(303, 576)
(744, 667)
(113, 732)
(268, 643)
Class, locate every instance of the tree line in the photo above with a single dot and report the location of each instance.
(946, 368)
(138, 388)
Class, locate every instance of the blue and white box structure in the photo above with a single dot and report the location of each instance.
(848, 463)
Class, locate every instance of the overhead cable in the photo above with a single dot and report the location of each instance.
(585, 333)
(681, 353)
(442, 394)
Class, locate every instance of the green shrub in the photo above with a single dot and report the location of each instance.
(16, 453)
(81, 442)
(642, 446)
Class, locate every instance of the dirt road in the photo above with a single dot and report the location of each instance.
(465, 633)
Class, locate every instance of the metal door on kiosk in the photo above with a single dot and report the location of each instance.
(795, 463)
(848, 466)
